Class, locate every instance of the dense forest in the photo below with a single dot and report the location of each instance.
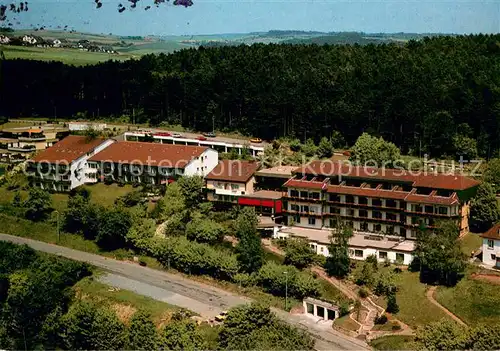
(418, 95)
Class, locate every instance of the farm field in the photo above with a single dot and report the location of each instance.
(68, 56)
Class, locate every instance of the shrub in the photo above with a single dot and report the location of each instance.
(343, 309)
(245, 279)
(372, 259)
(381, 319)
(300, 284)
(363, 293)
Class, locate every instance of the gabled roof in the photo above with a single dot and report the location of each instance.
(68, 149)
(331, 168)
(233, 171)
(493, 233)
(149, 154)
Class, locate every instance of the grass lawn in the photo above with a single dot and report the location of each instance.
(107, 194)
(414, 307)
(331, 293)
(470, 242)
(394, 342)
(473, 301)
(124, 302)
(389, 326)
(347, 323)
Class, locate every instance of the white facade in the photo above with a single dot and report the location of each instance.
(221, 146)
(63, 179)
(491, 252)
(29, 39)
(203, 164)
(398, 253)
(81, 126)
(4, 39)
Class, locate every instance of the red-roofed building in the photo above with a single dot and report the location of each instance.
(385, 201)
(150, 163)
(229, 180)
(491, 246)
(62, 167)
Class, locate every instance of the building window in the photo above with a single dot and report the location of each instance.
(321, 249)
(350, 212)
(349, 199)
(493, 256)
(363, 226)
(391, 216)
(312, 221)
(358, 253)
(443, 210)
(377, 228)
(382, 255)
(314, 196)
(294, 193)
(362, 200)
(305, 208)
(402, 231)
(334, 197)
(377, 214)
(400, 258)
(491, 244)
(335, 210)
(304, 194)
(390, 230)
(377, 202)
(391, 203)
(363, 213)
(234, 187)
(294, 207)
(296, 219)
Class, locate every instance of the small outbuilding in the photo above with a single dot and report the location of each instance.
(320, 309)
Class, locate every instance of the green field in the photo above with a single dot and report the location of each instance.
(472, 301)
(395, 342)
(68, 56)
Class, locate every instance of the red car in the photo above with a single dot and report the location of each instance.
(201, 137)
(162, 134)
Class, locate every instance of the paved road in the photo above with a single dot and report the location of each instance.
(198, 297)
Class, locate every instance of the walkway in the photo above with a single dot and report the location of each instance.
(430, 296)
(352, 293)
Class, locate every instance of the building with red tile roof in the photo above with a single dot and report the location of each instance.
(62, 167)
(151, 163)
(229, 180)
(384, 201)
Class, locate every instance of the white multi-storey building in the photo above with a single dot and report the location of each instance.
(62, 167)
(150, 163)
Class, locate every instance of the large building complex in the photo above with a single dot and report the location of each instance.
(63, 166)
(370, 200)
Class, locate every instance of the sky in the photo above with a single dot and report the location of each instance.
(242, 16)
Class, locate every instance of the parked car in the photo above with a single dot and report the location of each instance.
(162, 134)
(201, 137)
(210, 135)
(176, 135)
(256, 140)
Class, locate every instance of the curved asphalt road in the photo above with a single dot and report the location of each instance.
(206, 300)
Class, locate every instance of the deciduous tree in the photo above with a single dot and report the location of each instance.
(338, 263)
(485, 210)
